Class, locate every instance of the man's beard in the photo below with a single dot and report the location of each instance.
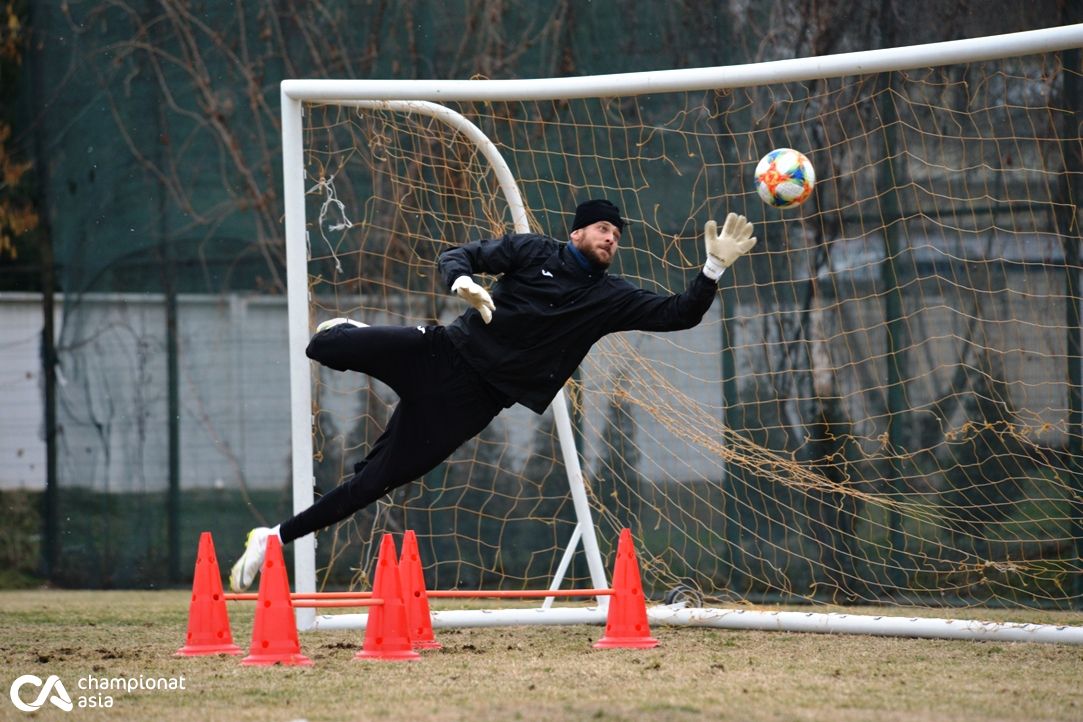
(592, 255)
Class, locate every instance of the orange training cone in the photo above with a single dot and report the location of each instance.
(418, 616)
(386, 634)
(274, 632)
(208, 620)
(626, 624)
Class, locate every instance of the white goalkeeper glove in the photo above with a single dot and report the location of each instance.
(475, 295)
(724, 248)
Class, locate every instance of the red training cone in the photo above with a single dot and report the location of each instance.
(626, 625)
(274, 632)
(386, 634)
(412, 577)
(208, 620)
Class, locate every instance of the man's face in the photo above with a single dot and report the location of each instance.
(598, 242)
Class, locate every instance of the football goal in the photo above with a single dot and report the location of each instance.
(884, 406)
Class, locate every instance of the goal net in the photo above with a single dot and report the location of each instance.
(882, 406)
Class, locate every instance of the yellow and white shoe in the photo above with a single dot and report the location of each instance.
(248, 566)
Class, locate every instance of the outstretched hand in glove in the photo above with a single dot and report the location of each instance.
(724, 248)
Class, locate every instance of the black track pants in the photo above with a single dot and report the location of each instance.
(442, 403)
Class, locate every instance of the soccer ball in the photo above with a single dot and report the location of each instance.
(784, 178)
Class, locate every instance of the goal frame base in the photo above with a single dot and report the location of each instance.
(678, 615)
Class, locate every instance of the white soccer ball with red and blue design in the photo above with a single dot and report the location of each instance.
(784, 178)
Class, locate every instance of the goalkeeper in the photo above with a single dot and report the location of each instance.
(553, 301)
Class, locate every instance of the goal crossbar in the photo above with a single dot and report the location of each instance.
(717, 77)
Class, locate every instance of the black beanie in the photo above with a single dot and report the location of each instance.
(593, 211)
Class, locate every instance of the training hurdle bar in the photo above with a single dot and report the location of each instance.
(358, 597)
(310, 602)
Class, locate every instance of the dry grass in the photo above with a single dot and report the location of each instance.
(534, 673)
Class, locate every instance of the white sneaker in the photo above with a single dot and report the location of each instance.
(331, 323)
(251, 561)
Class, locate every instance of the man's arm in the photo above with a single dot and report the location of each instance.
(641, 310)
(458, 264)
(497, 255)
(645, 311)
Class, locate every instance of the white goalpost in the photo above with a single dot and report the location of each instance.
(764, 521)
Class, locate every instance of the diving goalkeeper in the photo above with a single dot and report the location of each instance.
(553, 301)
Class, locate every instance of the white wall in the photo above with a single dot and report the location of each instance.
(113, 392)
(22, 441)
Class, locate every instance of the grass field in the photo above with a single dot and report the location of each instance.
(531, 673)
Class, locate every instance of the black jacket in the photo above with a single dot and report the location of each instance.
(550, 311)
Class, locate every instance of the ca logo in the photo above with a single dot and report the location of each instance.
(52, 685)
